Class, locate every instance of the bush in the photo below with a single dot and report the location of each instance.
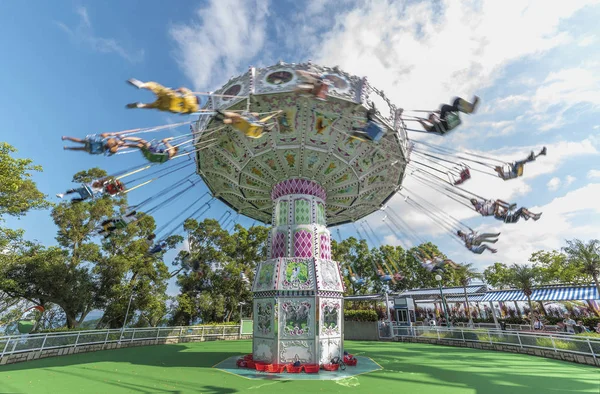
(591, 322)
(563, 345)
(514, 320)
(360, 315)
(63, 329)
(216, 323)
(588, 334)
(551, 320)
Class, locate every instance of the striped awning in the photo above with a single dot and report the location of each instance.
(554, 293)
(446, 290)
(472, 298)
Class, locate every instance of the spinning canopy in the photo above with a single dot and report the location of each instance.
(310, 139)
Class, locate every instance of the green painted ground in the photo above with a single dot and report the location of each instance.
(408, 368)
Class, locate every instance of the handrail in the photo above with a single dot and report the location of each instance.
(565, 343)
(14, 344)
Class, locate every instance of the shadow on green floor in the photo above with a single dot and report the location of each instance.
(411, 368)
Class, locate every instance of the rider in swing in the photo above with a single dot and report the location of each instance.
(154, 152)
(373, 130)
(105, 143)
(117, 223)
(246, 122)
(314, 84)
(179, 101)
(448, 118)
(515, 170)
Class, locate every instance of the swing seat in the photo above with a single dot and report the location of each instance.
(375, 131)
(385, 278)
(453, 120)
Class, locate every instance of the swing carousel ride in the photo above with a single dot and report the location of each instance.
(303, 147)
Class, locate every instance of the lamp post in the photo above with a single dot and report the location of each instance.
(241, 304)
(438, 277)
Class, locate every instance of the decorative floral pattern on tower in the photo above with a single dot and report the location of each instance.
(330, 316)
(265, 277)
(295, 350)
(302, 211)
(324, 246)
(282, 212)
(296, 318)
(303, 243)
(298, 186)
(297, 275)
(328, 276)
(279, 246)
(321, 218)
(264, 320)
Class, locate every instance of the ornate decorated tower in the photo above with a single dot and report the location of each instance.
(298, 304)
(306, 169)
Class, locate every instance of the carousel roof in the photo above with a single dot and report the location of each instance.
(310, 140)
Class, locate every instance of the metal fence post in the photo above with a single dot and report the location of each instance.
(202, 337)
(5, 347)
(132, 336)
(157, 334)
(462, 333)
(105, 339)
(224, 327)
(591, 348)
(77, 339)
(438, 332)
(43, 343)
(553, 344)
(180, 333)
(519, 338)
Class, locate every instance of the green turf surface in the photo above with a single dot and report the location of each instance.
(408, 368)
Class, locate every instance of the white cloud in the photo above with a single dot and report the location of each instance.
(395, 44)
(593, 174)
(569, 180)
(83, 34)
(586, 41)
(553, 184)
(223, 38)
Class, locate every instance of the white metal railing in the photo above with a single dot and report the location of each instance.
(72, 339)
(588, 346)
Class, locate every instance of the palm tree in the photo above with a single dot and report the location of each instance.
(524, 277)
(586, 257)
(464, 274)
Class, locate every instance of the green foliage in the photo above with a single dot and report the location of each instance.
(590, 322)
(559, 344)
(513, 320)
(497, 275)
(588, 334)
(18, 193)
(217, 274)
(360, 315)
(217, 323)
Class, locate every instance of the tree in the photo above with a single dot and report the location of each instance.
(465, 274)
(554, 268)
(585, 258)
(216, 275)
(498, 275)
(18, 193)
(525, 277)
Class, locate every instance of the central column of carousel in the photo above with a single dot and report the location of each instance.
(298, 291)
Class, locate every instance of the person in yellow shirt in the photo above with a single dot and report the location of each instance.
(246, 122)
(181, 101)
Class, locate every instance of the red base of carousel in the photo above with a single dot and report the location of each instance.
(248, 362)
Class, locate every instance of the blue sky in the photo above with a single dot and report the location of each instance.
(535, 65)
